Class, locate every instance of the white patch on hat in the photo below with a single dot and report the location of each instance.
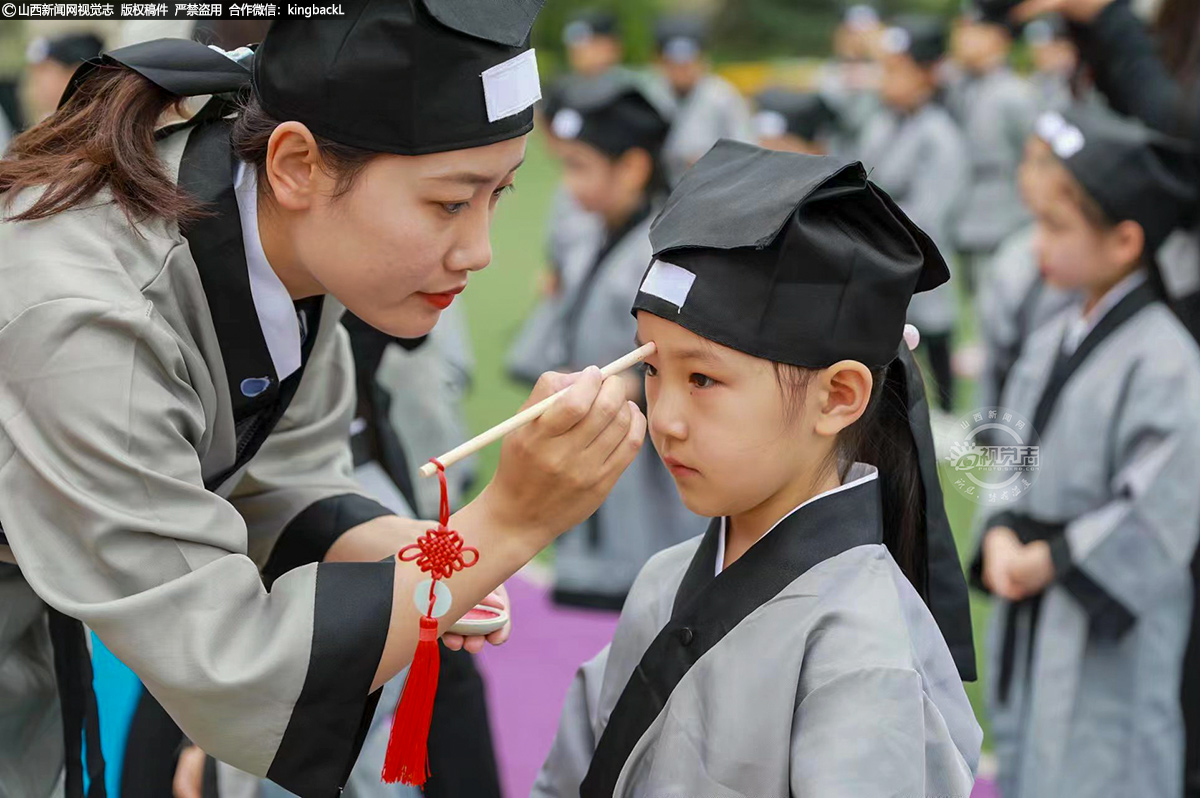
(38, 50)
(770, 124)
(861, 17)
(681, 50)
(237, 56)
(567, 123)
(896, 41)
(577, 32)
(1064, 139)
(669, 282)
(512, 87)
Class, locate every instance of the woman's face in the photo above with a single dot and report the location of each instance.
(720, 421)
(401, 243)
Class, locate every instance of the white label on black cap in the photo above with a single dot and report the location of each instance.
(511, 87)
(770, 124)
(668, 281)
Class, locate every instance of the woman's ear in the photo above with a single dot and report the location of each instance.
(842, 393)
(293, 167)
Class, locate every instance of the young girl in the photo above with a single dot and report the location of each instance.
(611, 137)
(1091, 563)
(786, 651)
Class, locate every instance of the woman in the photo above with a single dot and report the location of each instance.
(177, 394)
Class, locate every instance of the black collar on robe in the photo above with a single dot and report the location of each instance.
(207, 172)
(708, 606)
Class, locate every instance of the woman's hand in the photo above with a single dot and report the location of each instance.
(474, 644)
(556, 471)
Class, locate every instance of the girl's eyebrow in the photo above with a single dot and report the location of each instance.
(704, 353)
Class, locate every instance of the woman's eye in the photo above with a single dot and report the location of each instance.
(649, 370)
(453, 208)
(702, 381)
(498, 193)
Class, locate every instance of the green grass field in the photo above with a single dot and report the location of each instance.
(502, 295)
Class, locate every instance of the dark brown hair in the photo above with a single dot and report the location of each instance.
(883, 438)
(104, 137)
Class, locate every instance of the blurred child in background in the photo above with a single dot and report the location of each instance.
(51, 62)
(611, 137)
(707, 107)
(917, 154)
(995, 108)
(1090, 563)
(1055, 61)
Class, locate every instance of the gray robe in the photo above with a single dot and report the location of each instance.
(920, 159)
(809, 667)
(1012, 303)
(996, 112)
(643, 514)
(153, 464)
(1093, 710)
(713, 110)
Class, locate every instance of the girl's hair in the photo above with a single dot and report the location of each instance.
(1178, 31)
(104, 137)
(882, 438)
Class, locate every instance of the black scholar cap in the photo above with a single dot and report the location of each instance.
(612, 112)
(921, 37)
(405, 76)
(797, 259)
(804, 114)
(1129, 170)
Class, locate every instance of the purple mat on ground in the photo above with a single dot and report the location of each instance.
(528, 677)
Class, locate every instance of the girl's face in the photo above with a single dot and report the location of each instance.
(602, 185)
(400, 244)
(1073, 252)
(905, 84)
(720, 421)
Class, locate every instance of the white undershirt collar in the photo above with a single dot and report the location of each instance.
(1084, 323)
(276, 311)
(858, 474)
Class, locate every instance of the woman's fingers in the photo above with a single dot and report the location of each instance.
(623, 453)
(573, 406)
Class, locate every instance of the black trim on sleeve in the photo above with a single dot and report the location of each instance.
(351, 618)
(309, 535)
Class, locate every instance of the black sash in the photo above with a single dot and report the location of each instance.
(1030, 529)
(707, 607)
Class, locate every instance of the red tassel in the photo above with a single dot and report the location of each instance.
(407, 759)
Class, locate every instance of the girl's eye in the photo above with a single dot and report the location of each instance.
(649, 370)
(498, 193)
(702, 381)
(453, 208)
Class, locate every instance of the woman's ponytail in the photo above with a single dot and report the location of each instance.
(103, 137)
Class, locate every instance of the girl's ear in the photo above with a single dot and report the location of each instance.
(1128, 241)
(293, 166)
(636, 167)
(842, 393)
